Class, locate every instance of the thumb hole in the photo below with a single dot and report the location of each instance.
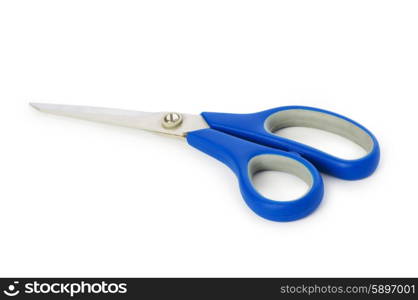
(279, 186)
(279, 178)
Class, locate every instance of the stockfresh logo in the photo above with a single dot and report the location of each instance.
(12, 290)
(65, 288)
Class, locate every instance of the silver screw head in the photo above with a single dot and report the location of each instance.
(172, 120)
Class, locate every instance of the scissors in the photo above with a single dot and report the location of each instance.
(246, 143)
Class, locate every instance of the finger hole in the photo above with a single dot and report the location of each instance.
(325, 141)
(324, 127)
(279, 178)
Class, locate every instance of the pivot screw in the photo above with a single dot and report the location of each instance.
(172, 120)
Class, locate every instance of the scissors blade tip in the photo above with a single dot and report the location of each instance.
(44, 107)
(35, 105)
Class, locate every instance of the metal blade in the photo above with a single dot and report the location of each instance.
(150, 121)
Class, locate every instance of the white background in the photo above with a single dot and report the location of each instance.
(85, 199)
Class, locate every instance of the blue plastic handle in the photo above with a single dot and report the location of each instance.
(259, 128)
(246, 158)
